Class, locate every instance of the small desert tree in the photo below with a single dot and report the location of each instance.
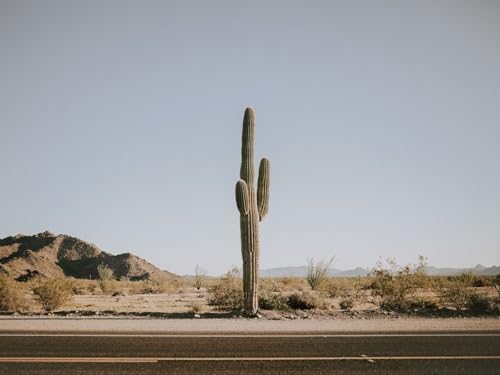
(317, 272)
(199, 274)
(53, 293)
(105, 277)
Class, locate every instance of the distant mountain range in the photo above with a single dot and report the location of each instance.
(301, 271)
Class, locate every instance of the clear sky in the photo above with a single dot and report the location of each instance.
(120, 124)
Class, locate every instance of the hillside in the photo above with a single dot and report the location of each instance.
(51, 255)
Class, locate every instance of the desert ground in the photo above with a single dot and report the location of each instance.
(281, 298)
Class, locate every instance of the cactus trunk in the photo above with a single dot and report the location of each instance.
(253, 206)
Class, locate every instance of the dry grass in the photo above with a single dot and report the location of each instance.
(401, 289)
(12, 296)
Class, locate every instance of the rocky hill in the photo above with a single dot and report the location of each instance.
(51, 255)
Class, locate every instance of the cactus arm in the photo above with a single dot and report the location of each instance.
(263, 188)
(247, 169)
(242, 197)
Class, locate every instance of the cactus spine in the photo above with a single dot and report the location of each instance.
(253, 206)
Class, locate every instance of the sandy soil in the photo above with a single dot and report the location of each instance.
(171, 302)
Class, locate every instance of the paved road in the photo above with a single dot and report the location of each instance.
(373, 353)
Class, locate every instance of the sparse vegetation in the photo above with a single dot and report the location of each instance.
(458, 292)
(196, 307)
(496, 285)
(390, 288)
(269, 300)
(330, 288)
(397, 286)
(105, 278)
(199, 275)
(156, 284)
(53, 293)
(317, 272)
(12, 298)
(303, 301)
(228, 294)
(346, 303)
(478, 303)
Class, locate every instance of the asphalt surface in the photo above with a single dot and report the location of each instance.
(373, 353)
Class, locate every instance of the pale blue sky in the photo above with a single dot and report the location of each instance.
(120, 123)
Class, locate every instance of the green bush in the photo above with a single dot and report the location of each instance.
(11, 297)
(228, 295)
(53, 293)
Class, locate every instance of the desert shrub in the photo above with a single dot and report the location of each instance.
(466, 278)
(156, 284)
(330, 288)
(273, 301)
(199, 275)
(303, 301)
(83, 286)
(317, 273)
(150, 286)
(11, 297)
(481, 282)
(228, 294)
(423, 304)
(478, 303)
(53, 293)
(397, 286)
(495, 282)
(457, 292)
(453, 294)
(270, 295)
(346, 303)
(105, 278)
(133, 287)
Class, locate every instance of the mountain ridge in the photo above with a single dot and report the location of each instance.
(301, 271)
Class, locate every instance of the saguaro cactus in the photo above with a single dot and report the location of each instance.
(253, 207)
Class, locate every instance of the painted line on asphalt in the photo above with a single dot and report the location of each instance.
(247, 336)
(76, 360)
(231, 359)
